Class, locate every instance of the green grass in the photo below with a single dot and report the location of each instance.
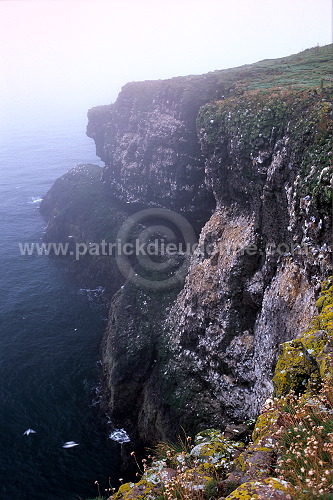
(310, 68)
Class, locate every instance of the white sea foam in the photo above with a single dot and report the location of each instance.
(92, 293)
(120, 435)
(35, 199)
(98, 289)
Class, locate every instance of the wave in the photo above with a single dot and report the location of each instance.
(120, 435)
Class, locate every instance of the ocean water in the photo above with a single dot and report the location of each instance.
(50, 335)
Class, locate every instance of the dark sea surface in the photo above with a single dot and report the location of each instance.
(50, 335)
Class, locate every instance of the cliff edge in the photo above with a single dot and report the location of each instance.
(244, 157)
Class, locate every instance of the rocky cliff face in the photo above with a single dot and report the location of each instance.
(254, 279)
(244, 155)
(148, 142)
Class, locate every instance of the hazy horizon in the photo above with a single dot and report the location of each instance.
(60, 58)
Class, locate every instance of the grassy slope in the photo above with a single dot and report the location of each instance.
(309, 68)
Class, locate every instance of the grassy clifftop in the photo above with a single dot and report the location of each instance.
(310, 68)
(307, 69)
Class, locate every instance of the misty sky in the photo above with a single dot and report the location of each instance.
(62, 57)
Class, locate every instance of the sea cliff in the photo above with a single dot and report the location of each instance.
(244, 156)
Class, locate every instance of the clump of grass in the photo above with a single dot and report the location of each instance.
(171, 452)
(305, 453)
(192, 490)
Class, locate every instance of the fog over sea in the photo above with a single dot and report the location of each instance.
(50, 333)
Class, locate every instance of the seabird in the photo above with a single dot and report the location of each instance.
(70, 444)
(29, 431)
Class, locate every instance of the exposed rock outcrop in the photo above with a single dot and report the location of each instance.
(132, 359)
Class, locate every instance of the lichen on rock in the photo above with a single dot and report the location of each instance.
(267, 489)
(306, 362)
